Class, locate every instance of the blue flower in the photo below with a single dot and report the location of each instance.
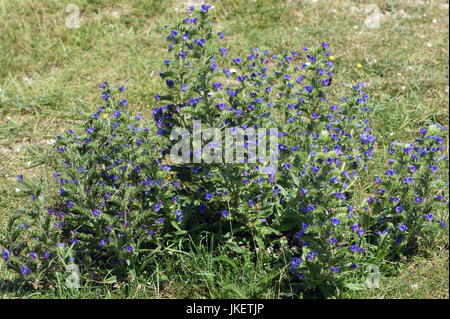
(335, 221)
(308, 89)
(402, 228)
(224, 213)
(24, 270)
(296, 261)
(205, 8)
(390, 172)
(335, 270)
(157, 206)
(95, 212)
(208, 196)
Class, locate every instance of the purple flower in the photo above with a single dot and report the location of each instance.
(402, 228)
(237, 60)
(335, 270)
(5, 254)
(225, 213)
(165, 167)
(335, 221)
(157, 206)
(394, 199)
(95, 212)
(308, 89)
(326, 82)
(183, 54)
(201, 42)
(129, 249)
(417, 198)
(24, 270)
(223, 51)
(296, 261)
(205, 8)
(222, 106)
(208, 196)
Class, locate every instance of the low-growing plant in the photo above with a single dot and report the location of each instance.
(313, 208)
(122, 198)
(115, 205)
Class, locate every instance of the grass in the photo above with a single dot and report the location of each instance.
(49, 72)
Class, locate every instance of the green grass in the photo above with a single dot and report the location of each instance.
(49, 72)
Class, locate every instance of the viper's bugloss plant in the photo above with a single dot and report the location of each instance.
(312, 208)
(409, 200)
(115, 204)
(121, 198)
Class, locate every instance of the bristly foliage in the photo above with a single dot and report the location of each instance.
(121, 200)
